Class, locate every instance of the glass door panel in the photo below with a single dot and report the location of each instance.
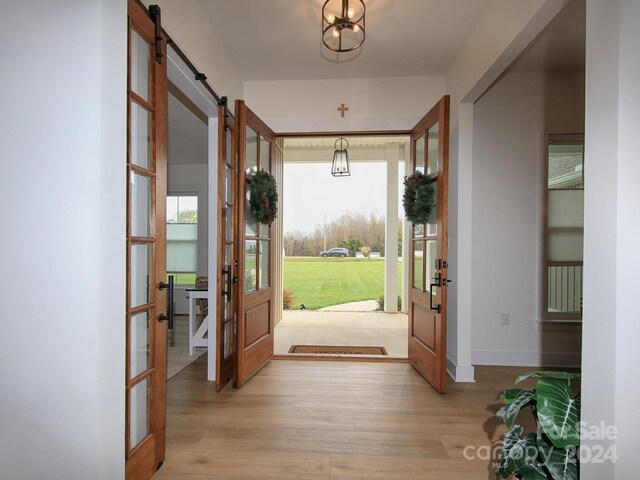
(418, 265)
(432, 149)
(250, 261)
(139, 421)
(140, 57)
(140, 209)
(264, 263)
(140, 267)
(140, 135)
(251, 165)
(140, 344)
(419, 146)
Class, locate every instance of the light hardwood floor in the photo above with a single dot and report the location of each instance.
(331, 420)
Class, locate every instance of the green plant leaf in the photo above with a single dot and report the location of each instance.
(533, 471)
(548, 374)
(508, 396)
(560, 462)
(516, 400)
(558, 413)
(517, 453)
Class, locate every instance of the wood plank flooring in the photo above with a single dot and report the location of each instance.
(331, 421)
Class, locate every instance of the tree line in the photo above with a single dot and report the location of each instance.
(351, 230)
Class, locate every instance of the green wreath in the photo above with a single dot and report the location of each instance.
(419, 197)
(263, 197)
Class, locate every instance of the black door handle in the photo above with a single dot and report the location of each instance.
(437, 283)
(227, 290)
(169, 316)
(437, 307)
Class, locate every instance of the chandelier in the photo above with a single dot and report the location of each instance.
(343, 25)
(340, 165)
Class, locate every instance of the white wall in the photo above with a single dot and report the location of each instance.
(511, 122)
(63, 134)
(500, 35)
(612, 231)
(187, 24)
(374, 103)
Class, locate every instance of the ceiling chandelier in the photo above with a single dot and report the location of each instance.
(340, 165)
(343, 25)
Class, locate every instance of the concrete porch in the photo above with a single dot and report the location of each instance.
(307, 327)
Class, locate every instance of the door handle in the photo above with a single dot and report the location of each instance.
(431, 306)
(169, 316)
(437, 283)
(227, 290)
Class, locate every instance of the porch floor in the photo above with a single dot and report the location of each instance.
(362, 329)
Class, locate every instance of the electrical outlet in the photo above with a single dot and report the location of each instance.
(504, 319)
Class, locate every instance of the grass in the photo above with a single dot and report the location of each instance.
(321, 282)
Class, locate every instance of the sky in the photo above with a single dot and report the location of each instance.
(310, 192)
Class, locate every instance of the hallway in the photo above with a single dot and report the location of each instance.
(330, 420)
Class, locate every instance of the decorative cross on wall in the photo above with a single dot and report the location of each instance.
(342, 109)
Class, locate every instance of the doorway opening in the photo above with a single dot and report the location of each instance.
(343, 270)
(187, 228)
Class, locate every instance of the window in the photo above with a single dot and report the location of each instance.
(564, 227)
(182, 237)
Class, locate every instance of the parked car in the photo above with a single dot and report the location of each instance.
(335, 252)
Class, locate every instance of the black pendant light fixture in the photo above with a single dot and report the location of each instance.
(343, 25)
(340, 165)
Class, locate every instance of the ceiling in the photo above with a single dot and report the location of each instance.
(560, 46)
(280, 39)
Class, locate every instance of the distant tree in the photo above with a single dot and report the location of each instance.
(188, 216)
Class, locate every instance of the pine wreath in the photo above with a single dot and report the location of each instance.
(419, 197)
(263, 197)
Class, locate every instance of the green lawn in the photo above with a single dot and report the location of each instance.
(321, 282)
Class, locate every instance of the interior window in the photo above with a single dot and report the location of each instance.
(182, 237)
(564, 227)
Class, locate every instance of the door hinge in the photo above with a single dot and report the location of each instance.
(235, 323)
(237, 162)
(156, 16)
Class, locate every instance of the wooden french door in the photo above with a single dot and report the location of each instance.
(227, 249)
(146, 363)
(428, 258)
(255, 146)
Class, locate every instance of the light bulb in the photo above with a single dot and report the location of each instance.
(356, 28)
(335, 33)
(331, 18)
(350, 13)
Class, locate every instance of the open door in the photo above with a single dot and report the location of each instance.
(227, 249)
(254, 143)
(428, 257)
(146, 243)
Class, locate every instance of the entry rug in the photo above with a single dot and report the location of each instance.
(337, 350)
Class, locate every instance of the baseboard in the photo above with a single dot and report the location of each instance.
(460, 373)
(525, 359)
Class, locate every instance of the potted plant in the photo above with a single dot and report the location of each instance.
(551, 451)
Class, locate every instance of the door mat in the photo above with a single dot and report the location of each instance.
(337, 350)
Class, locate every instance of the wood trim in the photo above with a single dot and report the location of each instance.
(186, 101)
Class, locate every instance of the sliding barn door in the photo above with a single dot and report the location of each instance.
(146, 358)
(428, 257)
(227, 254)
(255, 147)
